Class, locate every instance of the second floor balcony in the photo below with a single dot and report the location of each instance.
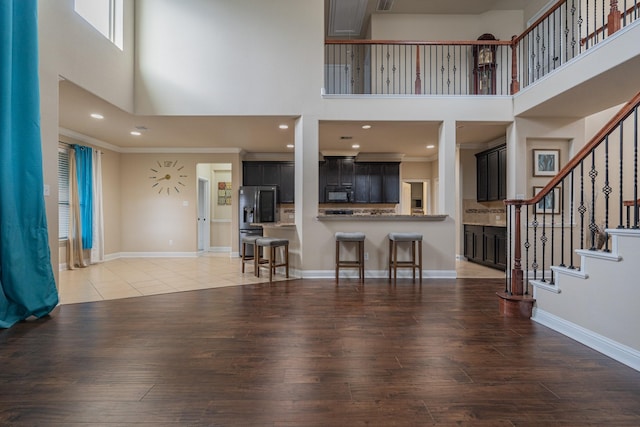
(477, 67)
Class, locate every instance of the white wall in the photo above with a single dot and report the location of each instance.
(228, 57)
(71, 48)
(503, 24)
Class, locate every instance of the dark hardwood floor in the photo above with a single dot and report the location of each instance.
(302, 353)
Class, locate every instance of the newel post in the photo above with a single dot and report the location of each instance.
(517, 281)
(614, 18)
(515, 84)
(513, 302)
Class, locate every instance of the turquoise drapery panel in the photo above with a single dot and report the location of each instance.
(84, 174)
(27, 284)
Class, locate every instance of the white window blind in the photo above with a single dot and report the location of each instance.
(63, 192)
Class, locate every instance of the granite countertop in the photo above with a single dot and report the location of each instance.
(382, 217)
(274, 224)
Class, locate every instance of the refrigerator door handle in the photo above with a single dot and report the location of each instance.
(256, 210)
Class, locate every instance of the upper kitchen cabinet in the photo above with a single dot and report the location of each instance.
(491, 169)
(337, 171)
(377, 182)
(271, 173)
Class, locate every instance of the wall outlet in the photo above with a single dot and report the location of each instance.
(170, 242)
(366, 256)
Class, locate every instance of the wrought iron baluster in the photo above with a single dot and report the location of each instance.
(593, 227)
(635, 169)
(553, 223)
(562, 264)
(534, 264)
(582, 208)
(621, 189)
(526, 245)
(606, 190)
(510, 209)
(449, 70)
(571, 220)
(543, 238)
(573, 29)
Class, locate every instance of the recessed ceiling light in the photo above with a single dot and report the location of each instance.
(284, 126)
(97, 116)
(431, 146)
(355, 146)
(366, 127)
(290, 145)
(135, 133)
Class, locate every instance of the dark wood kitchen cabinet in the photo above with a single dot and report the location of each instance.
(486, 245)
(491, 174)
(271, 173)
(376, 182)
(370, 182)
(338, 171)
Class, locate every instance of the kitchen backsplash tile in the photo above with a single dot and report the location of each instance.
(488, 213)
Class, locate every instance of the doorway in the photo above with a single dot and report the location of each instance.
(416, 197)
(216, 194)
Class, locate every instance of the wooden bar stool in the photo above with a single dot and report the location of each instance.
(247, 241)
(414, 263)
(357, 238)
(273, 244)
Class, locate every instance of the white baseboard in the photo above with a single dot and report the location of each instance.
(158, 255)
(602, 344)
(219, 249)
(376, 274)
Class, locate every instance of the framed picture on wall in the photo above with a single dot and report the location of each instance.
(546, 162)
(550, 204)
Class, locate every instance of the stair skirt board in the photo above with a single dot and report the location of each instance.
(604, 345)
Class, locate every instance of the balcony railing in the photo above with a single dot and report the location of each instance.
(478, 67)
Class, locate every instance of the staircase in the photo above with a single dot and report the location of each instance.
(562, 274)
(598, 304)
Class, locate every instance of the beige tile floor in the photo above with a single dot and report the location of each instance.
(134, 277)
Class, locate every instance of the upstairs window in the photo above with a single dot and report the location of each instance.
(105, 16)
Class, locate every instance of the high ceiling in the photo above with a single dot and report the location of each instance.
(262, 134)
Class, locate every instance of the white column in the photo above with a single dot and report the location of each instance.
(306, 177)
(447, 168)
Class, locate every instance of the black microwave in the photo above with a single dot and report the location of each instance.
(338, 195)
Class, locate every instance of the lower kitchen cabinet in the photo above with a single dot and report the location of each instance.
(486, 245)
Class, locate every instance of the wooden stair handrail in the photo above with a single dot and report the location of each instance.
(424, 43)
(583, 153)
(539, 21)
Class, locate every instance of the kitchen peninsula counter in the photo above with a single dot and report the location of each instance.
(274, 224)
(381, 217)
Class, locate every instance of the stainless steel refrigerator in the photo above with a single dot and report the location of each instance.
(258, 205)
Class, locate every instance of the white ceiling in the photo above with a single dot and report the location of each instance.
(247, 133)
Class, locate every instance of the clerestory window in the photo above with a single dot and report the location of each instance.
(105, 16)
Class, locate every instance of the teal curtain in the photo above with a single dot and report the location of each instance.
(84, 174)
(27, 284)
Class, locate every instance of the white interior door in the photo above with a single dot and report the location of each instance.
(204, 214)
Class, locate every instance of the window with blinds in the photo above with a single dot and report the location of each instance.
(63, 192)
